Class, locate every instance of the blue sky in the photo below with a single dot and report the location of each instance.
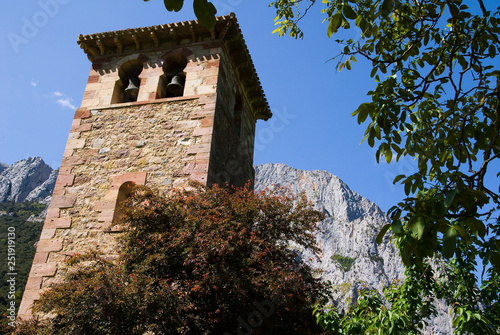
(44, 73)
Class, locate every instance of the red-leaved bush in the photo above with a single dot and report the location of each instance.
(198, 261)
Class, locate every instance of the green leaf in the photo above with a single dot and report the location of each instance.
(407, 188)
(397, 227)
(449, 242)
(382, 233)
(417, 227)
(362, 112)
(388, 156)
(349, 12)
(449, 197)
(334, 24)
(205, 12)
(173, 5)
(398, 178)
(492, 51)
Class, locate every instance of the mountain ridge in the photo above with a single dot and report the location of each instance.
(30, 179)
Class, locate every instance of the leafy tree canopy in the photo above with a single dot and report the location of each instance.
(201, 261)
(437, 100)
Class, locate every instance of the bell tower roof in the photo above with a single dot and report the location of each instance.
(226, 34)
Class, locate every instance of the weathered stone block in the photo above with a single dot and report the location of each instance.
(40, 257)
(135, 177)
(75, 143)
(81, 127)
(106, 216)
(198, 148)
(82, 114)
(63, 201)
(49, 245)
(57, 223)
(93, 79)
(47, 234)
(65, 180)
(105, 205)
(52, 213)
(73, 160)
(43, 270)
(33, 284)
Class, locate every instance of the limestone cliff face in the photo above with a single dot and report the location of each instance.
(27, 180)
(350, 259)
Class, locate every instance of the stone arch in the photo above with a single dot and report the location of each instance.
(129, 70)
(123, 193)
(119, 191)
(174, 76)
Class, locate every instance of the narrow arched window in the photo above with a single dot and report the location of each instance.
(123, 193)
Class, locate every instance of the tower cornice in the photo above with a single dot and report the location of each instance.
(227, 32)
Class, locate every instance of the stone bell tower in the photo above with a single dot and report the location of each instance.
(162, 105)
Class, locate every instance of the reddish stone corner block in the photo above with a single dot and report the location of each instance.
(63, 201)
(81, 127)
(93, 79)
(40, 257)
(43, 270)
(55, 223)
(105, 205)
(49, 245)
(52, 213)
(65, 180)
(135, 177)
(33, 283)
(82, 113)
(73, 160)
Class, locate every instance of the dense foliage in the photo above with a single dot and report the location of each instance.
(14, 218)
(198, 261)
(400, 311)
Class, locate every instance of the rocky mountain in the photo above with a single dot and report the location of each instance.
(27, 180)
(350, 259)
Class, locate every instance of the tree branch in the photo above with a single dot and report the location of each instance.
(483, 9)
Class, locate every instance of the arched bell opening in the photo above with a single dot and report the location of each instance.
(171, 83)
(127, 87)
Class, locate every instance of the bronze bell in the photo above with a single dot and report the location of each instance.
(175, 87)
(132, 89)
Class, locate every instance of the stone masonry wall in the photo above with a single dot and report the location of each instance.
(161, 144)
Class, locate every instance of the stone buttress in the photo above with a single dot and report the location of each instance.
(162, 105)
